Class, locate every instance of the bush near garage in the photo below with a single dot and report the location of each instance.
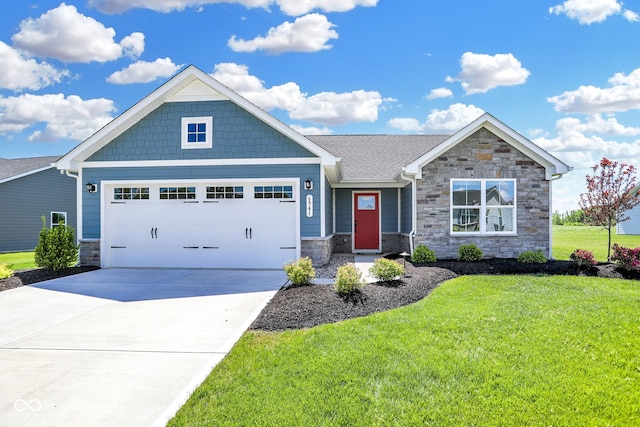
(5, 271)
(56, 247)
(386, 270)
(348, 279)
(300, 272)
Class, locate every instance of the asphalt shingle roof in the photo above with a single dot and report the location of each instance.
(13, 167)
(376, 157)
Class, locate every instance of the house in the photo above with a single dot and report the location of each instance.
(29, 189)
(632, 225)
(194, 175)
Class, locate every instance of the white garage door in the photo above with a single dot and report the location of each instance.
(203, 225)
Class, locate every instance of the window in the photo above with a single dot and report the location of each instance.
(197, 132)
(177, 193)
(131, 193)
(273, 192)
(58, 218)
(483, 206)
(225, 192)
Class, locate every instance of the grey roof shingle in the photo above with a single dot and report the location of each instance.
(13, 167)
(376, 157)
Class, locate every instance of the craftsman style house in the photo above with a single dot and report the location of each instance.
(194, 175)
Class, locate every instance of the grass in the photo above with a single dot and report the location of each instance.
(18, 260)
(567, 239)
(521, 350)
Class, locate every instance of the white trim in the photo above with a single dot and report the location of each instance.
(333, 208)
(323, 226)
(399, 192)
(368, 184)
(203, 162)
(353, 219)
(186, 121)
(23, 174)
(66, 222)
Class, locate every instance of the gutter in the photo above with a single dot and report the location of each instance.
(414, 206)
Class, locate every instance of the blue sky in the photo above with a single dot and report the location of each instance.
(565, 74)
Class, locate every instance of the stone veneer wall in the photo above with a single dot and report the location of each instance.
(318, 249)
(483, 156)
(90, 252)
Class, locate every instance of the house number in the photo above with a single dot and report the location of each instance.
(309, 206)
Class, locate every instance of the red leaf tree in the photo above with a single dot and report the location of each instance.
(610, 194)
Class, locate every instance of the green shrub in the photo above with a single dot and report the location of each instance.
(5, 271)
(300, 272)
(56, 247)
(348, 279)
(532, 257)
(583, 258)
(469, 253)
(421, 254)
(385, 270)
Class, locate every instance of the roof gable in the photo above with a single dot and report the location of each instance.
(553, 166)
(191, 84)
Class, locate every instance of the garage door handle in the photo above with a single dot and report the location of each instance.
(154, 233)
(250, 232)
(246, 233)
(210, 247)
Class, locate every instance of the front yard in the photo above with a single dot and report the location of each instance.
(479, 350)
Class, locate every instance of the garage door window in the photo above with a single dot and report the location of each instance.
(273, 192)
(225, 192)
(177, 193)
(131, 193)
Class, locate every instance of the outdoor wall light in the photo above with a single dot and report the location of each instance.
(308, 185)
(91, 188)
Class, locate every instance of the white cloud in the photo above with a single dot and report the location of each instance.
(622, 95)
(481, 73)
(19, 72)
(289, 7)
(441, 92)
(70, 117)
(327, 108)
(440, 121)
(587, 12)
(631, 16)
(144, 72)
(309, 33)
(311, 130)
(65, 34)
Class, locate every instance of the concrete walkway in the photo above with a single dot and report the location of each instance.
(120, 347)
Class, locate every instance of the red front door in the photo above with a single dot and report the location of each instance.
(366, 221)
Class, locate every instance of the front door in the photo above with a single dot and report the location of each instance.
(366, 222)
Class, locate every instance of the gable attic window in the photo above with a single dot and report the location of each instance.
(197, 132)
(483, 206)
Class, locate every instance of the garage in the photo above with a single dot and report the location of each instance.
(200, 224)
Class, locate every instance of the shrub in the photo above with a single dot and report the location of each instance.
(421, 254)
(56, 247)
(469, 253)
(583, 258)
(532, 257)
(300, 272)
(5, 271)
(385, 270)
(348, 279)
(626, 258)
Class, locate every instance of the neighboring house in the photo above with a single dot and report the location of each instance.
(194, 175)
(29, 189)
(632, 225)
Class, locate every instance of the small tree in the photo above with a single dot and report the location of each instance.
(610, 193)
(56, 247)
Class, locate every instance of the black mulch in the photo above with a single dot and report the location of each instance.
(28, 277)
(308, 306)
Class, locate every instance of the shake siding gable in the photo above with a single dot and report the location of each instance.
(483, 156)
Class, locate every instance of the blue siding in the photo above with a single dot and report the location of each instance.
(406, 205)
(309, 227)
(632, 225)
(25, 200)
(344, 206)
(236, 134)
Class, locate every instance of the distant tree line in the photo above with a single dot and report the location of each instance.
(573, 217)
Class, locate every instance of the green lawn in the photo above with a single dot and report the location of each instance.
(18, 260)
(567, 239)
(521, 350)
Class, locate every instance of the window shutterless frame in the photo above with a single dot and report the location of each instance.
(197, 132)
(483, 207)
(58, 218)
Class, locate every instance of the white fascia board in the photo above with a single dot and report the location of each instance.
(368, 184)
(23, 174)
(552, 165)
(204, 162)
(152, 101)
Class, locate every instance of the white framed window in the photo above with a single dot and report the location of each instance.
(273, 192)
(131, 193)
(58, 218)
(483, 206)
(197, 132)
(177, 193)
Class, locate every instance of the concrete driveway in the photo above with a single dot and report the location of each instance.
(120, 347)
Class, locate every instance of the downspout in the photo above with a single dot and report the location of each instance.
(414, 208)
(78, 202)
(553, 178)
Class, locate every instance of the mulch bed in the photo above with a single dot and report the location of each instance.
(28, 277)
(308, 306)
